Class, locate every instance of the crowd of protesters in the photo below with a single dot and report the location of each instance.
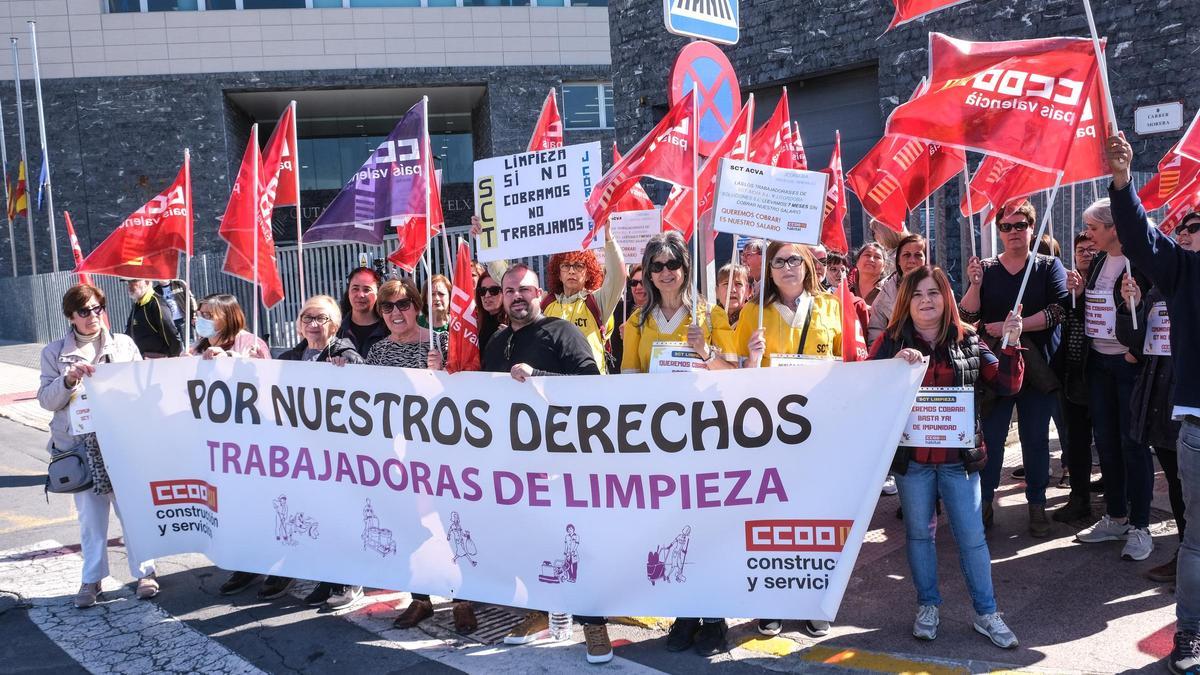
(1074, 350)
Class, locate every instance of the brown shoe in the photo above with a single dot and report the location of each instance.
(1165, 573)
(147, 587)
(416, 612)
(464, 618)
(599, 649)
(1039, 525)
(535, 626)
(989, 515)
(87, 595)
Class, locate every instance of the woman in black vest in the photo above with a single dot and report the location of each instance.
(925, 323)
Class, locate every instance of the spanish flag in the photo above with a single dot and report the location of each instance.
(18, 200)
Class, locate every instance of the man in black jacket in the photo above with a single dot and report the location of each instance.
(150, 323)
(1176, 272)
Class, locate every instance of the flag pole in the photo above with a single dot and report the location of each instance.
(12, 240)
(697, 231)
(970, 207)
(24, 155)
(1074, 261)
(256, 213)
(1102, 63)
(296, 175)
(1033, 252)
(425, 178)
(37, 88)
(928, 240)
(187, 255)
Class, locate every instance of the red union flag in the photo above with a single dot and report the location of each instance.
(799, 159)
(412, 230)
(677, 214)
(636, 199)
(248, 217)
(833, 234)
(1189, 145)
(1181, 208)
(1177, 173)
(464, 330)
(667, 153)
(1021, 100)
(147, 244)
(280, 162)
(907, 10)
(549, 130)
(772, 143)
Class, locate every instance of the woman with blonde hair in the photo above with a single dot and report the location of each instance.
(317, 325)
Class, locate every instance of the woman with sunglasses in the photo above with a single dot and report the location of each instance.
(489, 309)
(65, 362)
(221, 327)
(925, 323)
(1153, 423)
(991, 294)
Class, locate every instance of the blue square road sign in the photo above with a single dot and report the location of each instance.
(713, 20)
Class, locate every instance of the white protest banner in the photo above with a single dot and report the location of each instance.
(632, 229)
(554, 493)
(769, 202)
(674, 357)
(942, 417)
(1158, 331)
(792, 360)
(533, 203)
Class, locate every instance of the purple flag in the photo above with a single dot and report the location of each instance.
(388, 186)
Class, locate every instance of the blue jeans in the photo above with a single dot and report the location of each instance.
(1187, 579)
(1127, 465)
(959, 490)
(1033, 426)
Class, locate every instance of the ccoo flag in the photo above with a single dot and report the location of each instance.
(833, 233)
(1020, 100)
(549, 130)
(908, 10)
(245, 220)
(387, 188)
(677, 214)
(464, 322)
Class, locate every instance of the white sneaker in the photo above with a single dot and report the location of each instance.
(1138, 545)
(346, 600)
(926, 625)
(889, 485)
(996, 630)
(1105, 529)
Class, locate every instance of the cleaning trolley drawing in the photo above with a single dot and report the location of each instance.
(460, 540)
(565, 569)
(374, 537)
(289, 527)
(666, 563)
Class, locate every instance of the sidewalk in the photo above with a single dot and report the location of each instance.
(19, 378)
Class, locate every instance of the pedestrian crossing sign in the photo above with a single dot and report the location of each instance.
(714, 20)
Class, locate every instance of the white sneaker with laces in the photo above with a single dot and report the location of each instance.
(345, 601)
(926, 625)
(993, 626)
(889, 485)
(1138, 545)
(1105, 529)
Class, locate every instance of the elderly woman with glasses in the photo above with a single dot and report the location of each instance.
(993, 285)
(318, 324)
(65, 363)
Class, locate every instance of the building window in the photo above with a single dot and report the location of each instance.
(587, 106)
(121, 6)
(273, 4)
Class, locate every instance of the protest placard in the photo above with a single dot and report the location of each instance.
(942, 417)
(533, 203)
(632, 229)
(769, 202)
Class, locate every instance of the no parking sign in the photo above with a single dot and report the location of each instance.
(702, 66)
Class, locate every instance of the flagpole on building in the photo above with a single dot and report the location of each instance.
(256, 213)
(296, 173)
(37, 88)
(426, 176)
(24, 155)
(12, 241)
(698, 263)
(1036, 238)
(187, 255)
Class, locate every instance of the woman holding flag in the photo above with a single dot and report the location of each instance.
(925, 323)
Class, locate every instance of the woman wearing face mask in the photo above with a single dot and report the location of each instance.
(65, 363)
(1152, 421)
(910, 254)
(489, 308)
(361, 325)
(221, 327)
(438, 290)
(926, 323)
(991, 294)
(866, 278)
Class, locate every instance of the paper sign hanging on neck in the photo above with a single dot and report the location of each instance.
(632, 229)
(769, 202)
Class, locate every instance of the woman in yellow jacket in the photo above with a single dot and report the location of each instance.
(668, 313)
(800, 318)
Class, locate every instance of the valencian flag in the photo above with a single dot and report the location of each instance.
(148, 243)
(677, 214)
(18, 199)
(549, 130)
(1020, 100)
(908, 10)
(897, 174)
(463, 347)
(771, 144)
(1177, 173)
(667, 153)
(998, 182)
(247, 217)
(389, 187)
(833, 234)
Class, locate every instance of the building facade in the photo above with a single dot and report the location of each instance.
(128, 84)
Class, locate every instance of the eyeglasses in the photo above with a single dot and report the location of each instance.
(487, 291)
(793, 261)
(386, 307)
(94, 310)
(674, 264)
(1190, 228)
(1009, 227)
(634, 283)
(320, 319)
(572, 266)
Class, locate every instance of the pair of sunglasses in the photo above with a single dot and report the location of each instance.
(1190, 228)
(1009, 227)
(386, 307)
(488, 291)
(673, 264)
(89, 311)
